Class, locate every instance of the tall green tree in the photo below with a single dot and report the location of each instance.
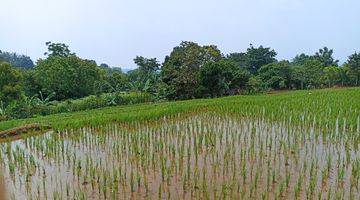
(298, 77)
(258, 57)
(68, 77)
(31, 85)
(301, 59)
(222, 78)
(254, 58)
(180, 71)
(344, 77)
(10, 83)
(354, 68)
(212, 80)
(58, 49)
(276, 75)
(332, 75)
(241, 59)
(146, 77)
(147, 65)
(325, 56)
(314, 70)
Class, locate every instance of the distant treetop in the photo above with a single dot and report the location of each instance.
(58, 49)
(16, 60)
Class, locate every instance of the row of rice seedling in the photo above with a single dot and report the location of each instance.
(212, 155)
(322, 107)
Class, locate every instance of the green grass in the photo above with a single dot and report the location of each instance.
(320, 107)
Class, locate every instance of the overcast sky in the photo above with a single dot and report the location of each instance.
(115, 31)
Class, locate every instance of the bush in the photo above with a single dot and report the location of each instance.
(18, 110)
(103, 100)
(28, 107)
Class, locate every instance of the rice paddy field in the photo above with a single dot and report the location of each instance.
(291, 145)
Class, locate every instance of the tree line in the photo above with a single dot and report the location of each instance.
(189, 71)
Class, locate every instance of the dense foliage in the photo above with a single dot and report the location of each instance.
(180, 71)
(354, 68)
(222, 78)
(16, 60)
(10, 83)
(189, 71)
(67, 77)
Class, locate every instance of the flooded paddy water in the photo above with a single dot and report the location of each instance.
(203, 156)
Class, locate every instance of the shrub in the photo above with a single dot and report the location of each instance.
(19, 109)
(29, 107)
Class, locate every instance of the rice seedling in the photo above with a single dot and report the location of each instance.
(259, 152)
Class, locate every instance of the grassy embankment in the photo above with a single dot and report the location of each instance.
(322, 107)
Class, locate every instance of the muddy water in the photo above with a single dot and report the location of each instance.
(201, 157)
